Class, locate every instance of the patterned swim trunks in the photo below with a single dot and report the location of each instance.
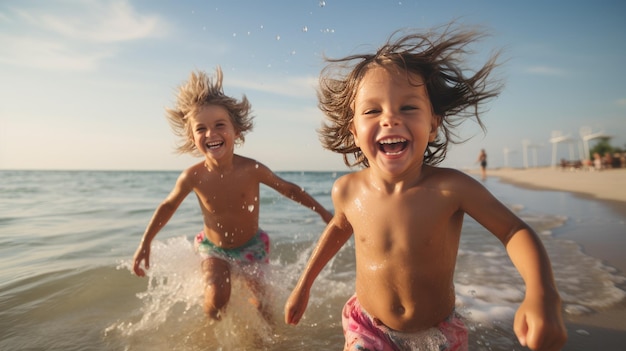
(256, 250)
(362, 332)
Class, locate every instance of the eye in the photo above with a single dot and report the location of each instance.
(371, 111)
(409, 108)
(200, 129)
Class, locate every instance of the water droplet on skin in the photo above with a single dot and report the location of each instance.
(250, 208)
(256, 165)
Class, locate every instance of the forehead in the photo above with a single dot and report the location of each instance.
(391, 75)
(210, 113)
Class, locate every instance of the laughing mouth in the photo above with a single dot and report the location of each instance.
(392, 146)
(214, 144)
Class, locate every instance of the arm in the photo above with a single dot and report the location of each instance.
(332, 239)
(337, 232)
(161, 216)
(538, 321)
(293, 192)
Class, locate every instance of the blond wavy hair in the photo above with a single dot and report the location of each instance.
(198, 91)
(456, 93)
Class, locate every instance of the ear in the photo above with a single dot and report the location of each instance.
(434, 128)
(354, 136)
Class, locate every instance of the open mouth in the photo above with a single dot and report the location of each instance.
(392, 146)
(214, 144)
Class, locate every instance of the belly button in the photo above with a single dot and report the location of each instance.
(400, 309)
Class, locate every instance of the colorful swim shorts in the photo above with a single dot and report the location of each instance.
(362, 332)
(256, 250)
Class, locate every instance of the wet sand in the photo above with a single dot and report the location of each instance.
(604, 330)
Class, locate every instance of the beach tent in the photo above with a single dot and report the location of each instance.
(587, 135)
(557, 138)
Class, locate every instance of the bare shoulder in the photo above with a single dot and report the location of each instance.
(254, 171)
(192, 173)
(247, 163)
(448, 179)
(345, 184)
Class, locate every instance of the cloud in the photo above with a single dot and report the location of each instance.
(77, 36)
(545, 71)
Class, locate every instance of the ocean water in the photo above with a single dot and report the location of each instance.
(67, 240)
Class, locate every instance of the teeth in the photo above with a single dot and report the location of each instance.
(213, 144)
(392, 141)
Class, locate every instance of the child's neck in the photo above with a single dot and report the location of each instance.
(219, 167)
(395, 183)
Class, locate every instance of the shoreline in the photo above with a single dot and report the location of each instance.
(604, 329)
(608, 186)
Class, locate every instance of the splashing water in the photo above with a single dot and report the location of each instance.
(171, 316)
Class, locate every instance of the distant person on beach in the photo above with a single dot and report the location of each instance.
(210, 124)
(597, 161)
(393, 112)
(482, 159)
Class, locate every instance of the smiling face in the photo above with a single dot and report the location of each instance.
(393, 120)
(214, 134)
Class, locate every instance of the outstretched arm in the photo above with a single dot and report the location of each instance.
(161, 216)
(293, 192)
(538, 322)
(333, 238)
(337, 232)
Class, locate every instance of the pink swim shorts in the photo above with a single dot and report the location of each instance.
(362, 332)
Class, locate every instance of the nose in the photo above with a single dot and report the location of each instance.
(208, 132)
(389, 119)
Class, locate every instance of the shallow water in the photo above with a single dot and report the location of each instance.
(67, 239)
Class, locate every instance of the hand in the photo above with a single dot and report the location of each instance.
(142, 254)
(296, 305)
(539, 324)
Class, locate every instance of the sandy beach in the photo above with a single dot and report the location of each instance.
(609, 185)
(605, 330)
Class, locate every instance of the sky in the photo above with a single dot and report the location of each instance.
(84, 84)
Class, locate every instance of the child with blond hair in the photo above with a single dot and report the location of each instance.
(210, 124)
